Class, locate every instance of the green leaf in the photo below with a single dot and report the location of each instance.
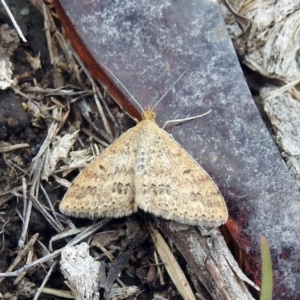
(267, 273)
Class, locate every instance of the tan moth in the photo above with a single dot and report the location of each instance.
(146, 168)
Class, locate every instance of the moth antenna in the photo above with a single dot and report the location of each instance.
(123, 86)
(179, 121)
(168, 90)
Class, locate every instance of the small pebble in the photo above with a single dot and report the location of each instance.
(24, 11)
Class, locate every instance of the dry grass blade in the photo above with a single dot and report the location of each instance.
(59, 293)
(172, 266)
(13, 147)
(47, 28)
(64, 235)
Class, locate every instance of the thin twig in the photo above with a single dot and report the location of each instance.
(56, 225)
(64, 218)
(101, 112)
(50, 136)
(51, 206)
(39, 290)
(35, 174)
(13, 147)
(104, 103)
(56, 92)
(26, 214)
(64, 235)
(89, 133)
(18, 92)
(25, 224)
(24, 187)
(282, 89)
(12, 164)
(47, 28)
(160, 275)
(14, 21)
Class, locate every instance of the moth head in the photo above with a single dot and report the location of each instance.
(148, 114)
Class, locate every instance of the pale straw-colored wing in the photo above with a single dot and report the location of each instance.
(105, 188)
(171, 184)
